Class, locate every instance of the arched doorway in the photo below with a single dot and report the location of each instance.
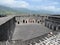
(31, 20)
(54, 28)
(23, 21)
(58, 27)
(18, 22)
(26, 21)
(38, 22)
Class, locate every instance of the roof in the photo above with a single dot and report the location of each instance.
(55, 16)
(33, 15)
(5, 19)
(29, 31)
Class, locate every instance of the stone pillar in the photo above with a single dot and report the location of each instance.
(19, 20)
(49, 26)
(52, 27)
(57, 28)
(45, 24)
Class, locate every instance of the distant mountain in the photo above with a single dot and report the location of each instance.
(8, 10)
(24, 10)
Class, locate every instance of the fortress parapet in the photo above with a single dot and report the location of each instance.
(7, 25)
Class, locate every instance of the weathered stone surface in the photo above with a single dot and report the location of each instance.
(7, 25)
(29, 31)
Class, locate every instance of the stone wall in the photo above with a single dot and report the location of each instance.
(52, 24)
(7, 29)
(30, 19)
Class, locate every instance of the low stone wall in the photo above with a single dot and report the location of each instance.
(7, 28)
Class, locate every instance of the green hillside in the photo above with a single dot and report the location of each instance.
(10, 11)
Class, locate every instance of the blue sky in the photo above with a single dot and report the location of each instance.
(50, 5)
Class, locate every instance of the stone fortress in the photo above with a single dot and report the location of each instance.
(53, 22)
(29, 30)
(26, 19)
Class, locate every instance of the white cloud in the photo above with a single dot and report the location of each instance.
(23, 4)
(50, 8)
(6, 1)
(53, 3)
(47, 7)
(13, 3)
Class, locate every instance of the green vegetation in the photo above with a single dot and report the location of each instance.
(10, 11)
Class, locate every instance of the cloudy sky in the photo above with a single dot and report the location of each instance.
(51, 5)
